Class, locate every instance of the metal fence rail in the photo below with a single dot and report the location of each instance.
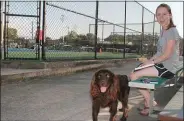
(71, 30)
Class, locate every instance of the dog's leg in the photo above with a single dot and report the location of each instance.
(123, 118)
(113, 111)
(95, 110)
(125, 105)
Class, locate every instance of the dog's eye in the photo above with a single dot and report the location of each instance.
(99, 76)
(107, 75)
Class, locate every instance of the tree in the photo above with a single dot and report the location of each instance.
(71, 37)
(47, 39)
(115, 38)
(90, 36)
(12, 33)
(82, 37)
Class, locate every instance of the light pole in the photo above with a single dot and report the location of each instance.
(68, 29)
(62, 19)
(32, 31)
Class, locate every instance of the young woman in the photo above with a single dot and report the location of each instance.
(166, 59)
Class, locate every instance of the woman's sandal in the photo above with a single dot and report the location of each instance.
(142, 108)
(145, 111)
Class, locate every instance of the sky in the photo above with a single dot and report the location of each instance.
(59, 22)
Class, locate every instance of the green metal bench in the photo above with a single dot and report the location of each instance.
(152, 86)
(178, 74)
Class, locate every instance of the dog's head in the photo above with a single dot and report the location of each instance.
(104, 81)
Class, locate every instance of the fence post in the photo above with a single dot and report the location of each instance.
(102, 32)
(89, 28)
(124, 31)
(1, 2)
(154, 42)
(38, 30)
(141, 52)
(113, 29)
(4, 32)
(44, 31)
(96, 28)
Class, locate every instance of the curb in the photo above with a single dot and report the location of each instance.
(48, 72)
(25, 64)
(60, 71)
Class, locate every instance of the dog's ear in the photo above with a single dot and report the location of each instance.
(94, 90)
(124, 78)
(94, 78)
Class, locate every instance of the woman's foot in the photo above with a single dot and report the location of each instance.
(143, 107)
(155, 103)
(145, 111)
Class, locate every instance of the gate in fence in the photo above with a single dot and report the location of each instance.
(21, 30)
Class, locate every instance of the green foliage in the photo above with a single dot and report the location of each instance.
(77, 39)
(115, 38)
(71, 37)
(90, 36)
(12, 33)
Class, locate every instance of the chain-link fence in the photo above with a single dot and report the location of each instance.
(67, 30)
(19, 30)
(70, 30)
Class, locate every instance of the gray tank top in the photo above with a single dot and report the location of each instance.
(173, 63)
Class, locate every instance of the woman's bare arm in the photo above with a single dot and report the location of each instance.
(167, 53)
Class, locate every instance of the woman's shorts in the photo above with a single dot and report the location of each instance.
(163, 72)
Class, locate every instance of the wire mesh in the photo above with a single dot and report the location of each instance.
(65, 35)
(128, 29)
(20, 26)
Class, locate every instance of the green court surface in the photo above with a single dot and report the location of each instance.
(71, 55)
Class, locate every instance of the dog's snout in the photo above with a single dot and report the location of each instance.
(103, 83)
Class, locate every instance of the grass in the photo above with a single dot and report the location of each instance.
(50, 55)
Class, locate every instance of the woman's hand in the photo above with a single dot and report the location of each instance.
(147, 62)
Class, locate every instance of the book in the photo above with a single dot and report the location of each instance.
(145, 66)
(151, 81)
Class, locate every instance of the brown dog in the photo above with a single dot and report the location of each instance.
(106, 89)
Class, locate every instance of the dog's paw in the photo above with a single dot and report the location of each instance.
(123, 118)
(114, 118)
(126, 112)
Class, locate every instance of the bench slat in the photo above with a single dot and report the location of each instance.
(139, 84)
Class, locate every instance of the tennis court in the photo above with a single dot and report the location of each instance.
(68, 54)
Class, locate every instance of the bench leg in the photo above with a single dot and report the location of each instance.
(151, 101)
(175, 81)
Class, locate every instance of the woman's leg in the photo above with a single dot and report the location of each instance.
(146, 95)
(151, 71)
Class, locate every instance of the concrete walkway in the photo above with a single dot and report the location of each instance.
(66, 98)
